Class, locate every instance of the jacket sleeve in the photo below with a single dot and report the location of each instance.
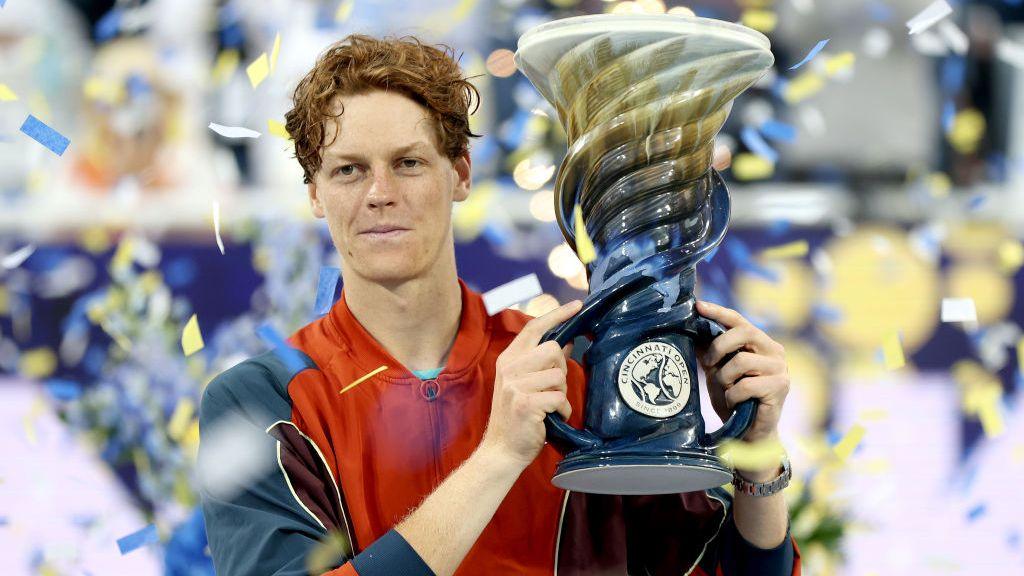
(730, 554)
(255, 522)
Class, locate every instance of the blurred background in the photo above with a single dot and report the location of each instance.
(878, 212)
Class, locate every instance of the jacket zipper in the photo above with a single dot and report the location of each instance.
(430, 390)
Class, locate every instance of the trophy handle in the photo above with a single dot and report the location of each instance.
(705, 330)
(558, 430)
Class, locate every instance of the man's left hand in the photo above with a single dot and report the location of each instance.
(757, 370)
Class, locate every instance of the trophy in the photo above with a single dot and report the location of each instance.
(641, 98)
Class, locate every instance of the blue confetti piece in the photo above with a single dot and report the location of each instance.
(778, 131)
(976, 512)
(3, 519)
(948, 114)
(2, 2)
(880, 12)
(138, 539)
(326, 286)
(778, 227)
(1013, 539)
(37, 130)
(975, 201)
(108, 25)
(752, 139)
(63, 390)
(954, 70)
(286, 353)
(814, 52)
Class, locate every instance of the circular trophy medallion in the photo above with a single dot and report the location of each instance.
(653, 380)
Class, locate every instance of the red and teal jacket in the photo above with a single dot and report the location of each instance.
(357, 463)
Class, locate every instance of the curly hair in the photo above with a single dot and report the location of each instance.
(358, 64)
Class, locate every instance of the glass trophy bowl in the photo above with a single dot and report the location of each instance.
(641, 99)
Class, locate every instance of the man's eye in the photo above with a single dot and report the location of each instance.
(410, 163)
(346, 170)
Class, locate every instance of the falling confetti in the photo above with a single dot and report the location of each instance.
(136, 540)
(845, 447)
(278, 129)
(501, 64)
(6, 94)
(363, 378)
(810, 55)
(40, 132)
(275, 51)
(18, 257)
(191, 337)
(892, 352)
(752, 167)
(959, 310)
(181, 419)
(514, 292)
(233, 131)
(327, 284)
(344, 10)
(760, 455)
(797, 249)
(216, 227)
(929, 16)
(258, 70)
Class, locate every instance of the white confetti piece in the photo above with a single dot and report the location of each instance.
(233, 455)
(233, 131)
(216, 226)
(1010, 52)
(930, 16)
(958, 310)
(16, 258)
(954, 37)
(518, 290)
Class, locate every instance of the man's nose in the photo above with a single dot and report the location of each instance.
(382, 191)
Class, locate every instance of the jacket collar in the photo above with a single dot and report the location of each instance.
(368, 354)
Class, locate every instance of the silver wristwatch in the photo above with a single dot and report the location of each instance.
(764, 488)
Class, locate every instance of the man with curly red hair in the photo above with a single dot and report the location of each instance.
(414, 428)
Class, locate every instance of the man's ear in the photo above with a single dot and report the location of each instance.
(464, 172)
(314, 201)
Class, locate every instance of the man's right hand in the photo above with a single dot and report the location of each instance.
(529, 383)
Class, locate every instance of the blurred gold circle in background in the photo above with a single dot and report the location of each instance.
(878, 286)
(992, 291)
(785, 304)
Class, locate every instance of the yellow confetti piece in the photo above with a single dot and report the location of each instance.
(324, 556)
(991, 419)
(1011, 256)
(123, 256)
(258, 70)
(839, 63)
(37, 363)
(967, 130)
(760, 20)
(892, 352)
(760, 455)
(1020, 355)
(5, 301)
(190, 439)
(584, 247)
(797, 249)
(344, 10)
(191, 337)
(874, 415)
(362, 379)
(845, 447)
(939, 184)
(103, 90)
(95, 240)
(277, 129)
(6, 94)
(225, 66)
(274, 52)
(181, 418)
(803, 86)
(748, 166)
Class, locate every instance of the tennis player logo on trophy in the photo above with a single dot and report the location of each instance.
(641, 98)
